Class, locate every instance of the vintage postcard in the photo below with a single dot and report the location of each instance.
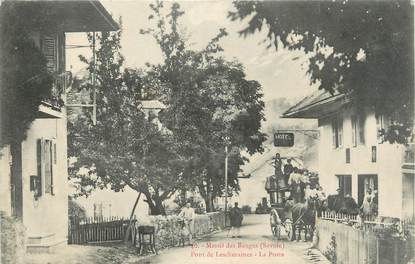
(212, 131)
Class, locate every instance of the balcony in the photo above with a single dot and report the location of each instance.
(51, 107)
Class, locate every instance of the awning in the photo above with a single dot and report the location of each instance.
(69, 16)
(318, 104)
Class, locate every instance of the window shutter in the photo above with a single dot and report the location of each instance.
(48, 166)
(348, 185)
(54, 154)
(360, 189)
(49, 51)
(361, 130)
(39, 159)
(340, 133)
(354, 136)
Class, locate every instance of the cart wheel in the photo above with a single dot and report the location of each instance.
(275, 232)
(288, 229)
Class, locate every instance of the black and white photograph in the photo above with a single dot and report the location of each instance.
(207, 131)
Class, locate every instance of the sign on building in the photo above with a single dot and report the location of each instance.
(283, 139)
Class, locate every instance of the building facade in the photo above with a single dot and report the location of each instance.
(34, 174)
(353, 156)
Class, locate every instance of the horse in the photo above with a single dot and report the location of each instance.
(304, 218)
(339, 204)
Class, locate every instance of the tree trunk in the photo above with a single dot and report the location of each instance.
(204, 192)
(159, 206)
(156, 206)
(127, 234)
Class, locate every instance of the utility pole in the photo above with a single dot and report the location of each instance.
(94, 110)
(226, 182)
(93, 81)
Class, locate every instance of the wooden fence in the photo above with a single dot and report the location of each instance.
(369, 223)
(352, 245)
(357, 241)
(97, 230)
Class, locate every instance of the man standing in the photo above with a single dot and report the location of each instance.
(188, 215)
(278, 172)
(235, 215)
(288, 169)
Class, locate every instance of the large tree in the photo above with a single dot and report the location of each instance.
(210, 104)
(125, 147)
(361, 48)
(24, 80)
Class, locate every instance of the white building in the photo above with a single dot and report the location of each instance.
(352, 157)
(34, 174)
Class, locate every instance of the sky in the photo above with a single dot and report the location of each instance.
(281, 73)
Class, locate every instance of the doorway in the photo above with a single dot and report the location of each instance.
(408, 196)
(364, 183)
(16, 182)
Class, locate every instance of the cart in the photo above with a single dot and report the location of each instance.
(279, 222)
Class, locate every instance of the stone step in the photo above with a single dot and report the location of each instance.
(40, 239)
(43, 243)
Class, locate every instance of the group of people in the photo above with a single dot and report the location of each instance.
(369, 206)
(345, 203)
(294, 180)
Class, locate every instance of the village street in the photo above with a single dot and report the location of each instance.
(255, 241)
(135, 125)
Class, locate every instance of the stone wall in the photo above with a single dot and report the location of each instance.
(12, 240)
(168, 228)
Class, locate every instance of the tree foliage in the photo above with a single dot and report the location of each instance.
(24, 80)
(124, 148)
(210, 104)
(361, 48)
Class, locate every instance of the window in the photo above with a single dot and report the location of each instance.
(361, 129)
(381, 124)
(347, 155)
(337, 126)
(374, 154)
(49, 49)
(46, 159)
(354, 131)
(345, 184)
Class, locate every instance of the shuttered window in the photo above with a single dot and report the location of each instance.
(337, 130)
(39, 159)
(48, 167)
(49, 49)
(354, 131)
(361, 129)
(46, 158)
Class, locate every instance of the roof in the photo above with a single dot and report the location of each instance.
(70, 16)
(318, 104)
(152, 104)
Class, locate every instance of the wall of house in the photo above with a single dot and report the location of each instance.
(332, 161)
(49, 213)
(5, 195)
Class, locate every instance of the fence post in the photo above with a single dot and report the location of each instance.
(377, 251)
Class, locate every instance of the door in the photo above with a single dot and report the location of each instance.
(408, 196)
(345, 184)
(364, 183)
(16, 180)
